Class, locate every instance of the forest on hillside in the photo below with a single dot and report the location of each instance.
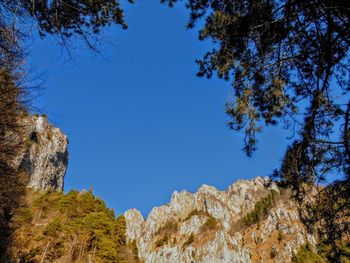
(286, 63)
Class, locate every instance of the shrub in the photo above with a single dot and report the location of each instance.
(261, 208)
(165, 233)
(160, 242)
(53, 229)
(169, 228)
(307, 255)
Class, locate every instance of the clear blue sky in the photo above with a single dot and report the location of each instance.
(141, 124)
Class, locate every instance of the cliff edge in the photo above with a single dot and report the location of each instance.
(251, 221)
(46, 156)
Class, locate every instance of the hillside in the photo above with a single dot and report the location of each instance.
(73, 227)
(252, 221)
(249, 222)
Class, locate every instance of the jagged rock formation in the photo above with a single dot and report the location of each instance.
(209, 226)
(46, 157)
(251, 221)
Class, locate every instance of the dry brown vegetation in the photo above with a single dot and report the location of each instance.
(165, 233)
(206, 232)
(195, 212)
(12, 180)
(168, 233)
(189, 240)
(210, 225)
(12, 143)
(73, 227)
(267, 249)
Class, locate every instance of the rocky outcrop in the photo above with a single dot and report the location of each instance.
(208, 226)
(46, 156)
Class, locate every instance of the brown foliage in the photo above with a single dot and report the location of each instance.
(12, 181)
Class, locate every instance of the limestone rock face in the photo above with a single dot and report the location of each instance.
(46, 157)
(207, 226)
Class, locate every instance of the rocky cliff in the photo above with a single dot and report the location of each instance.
(46, 156)
(252, 221)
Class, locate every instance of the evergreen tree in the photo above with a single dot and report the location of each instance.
(68, 20)
(288, 63)
(65, 19)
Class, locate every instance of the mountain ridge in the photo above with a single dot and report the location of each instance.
(204, 226)
(251, 221)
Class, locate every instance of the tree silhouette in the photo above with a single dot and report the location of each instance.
(67, 20)
(288, 62)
